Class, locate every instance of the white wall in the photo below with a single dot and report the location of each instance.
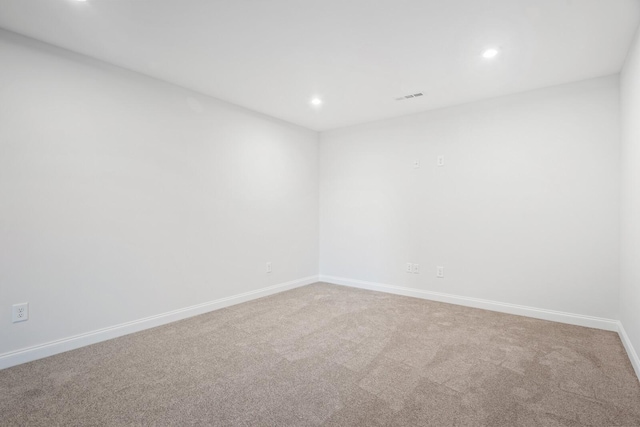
(123, 197)
(525, 210)
(630, 230)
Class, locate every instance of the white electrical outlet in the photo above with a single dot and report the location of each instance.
(440, 272)
(440, 160)
(20, 312)
(409, 268)
(268, 269)
(416, 164)
(416, 269)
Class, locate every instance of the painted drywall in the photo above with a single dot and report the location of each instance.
(123, 197)
(630, 198)
(525, 210)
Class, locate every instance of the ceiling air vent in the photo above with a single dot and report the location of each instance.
(413, 95)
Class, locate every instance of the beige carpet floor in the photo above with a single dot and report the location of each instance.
(334, 356)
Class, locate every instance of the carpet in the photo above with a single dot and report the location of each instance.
(334, 356)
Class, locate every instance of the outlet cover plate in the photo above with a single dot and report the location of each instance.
(20, 312)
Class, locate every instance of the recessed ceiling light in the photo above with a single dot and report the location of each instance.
(490, 53)
(316, 101)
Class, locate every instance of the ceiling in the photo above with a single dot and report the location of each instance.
(358, 56)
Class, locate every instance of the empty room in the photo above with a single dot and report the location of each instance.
(320, 213)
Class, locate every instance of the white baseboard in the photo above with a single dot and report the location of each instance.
(29, 354)
(520, 310)
(633, 356)
(59, 346)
